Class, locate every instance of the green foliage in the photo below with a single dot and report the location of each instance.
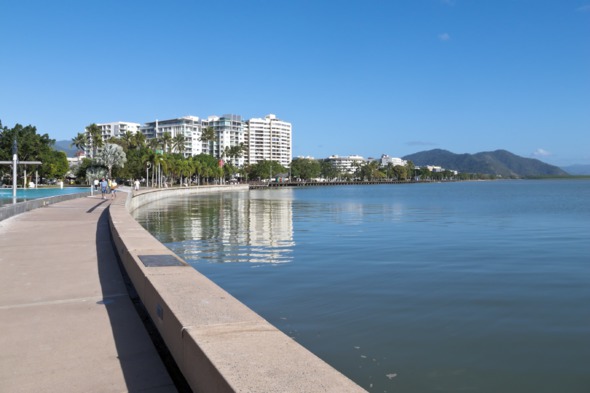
(178, 143)
(112, 156)
(328, 170)
(54, 165)
(31, 147)
(400, 172)
(266, 169)
(166, 141)
(370, 171)
(94, 137)
(135, 167)
(80, 141)
(305, 168)
(88, 165)
(208, 136)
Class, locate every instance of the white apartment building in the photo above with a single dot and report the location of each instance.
(385, 160)
(346, 164)
(229, 132)
(117, 129)
(269, 139)
(188, 126)
(109, 130)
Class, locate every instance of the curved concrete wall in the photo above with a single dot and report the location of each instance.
(219, 344)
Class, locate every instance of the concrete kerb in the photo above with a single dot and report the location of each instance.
(219, 344)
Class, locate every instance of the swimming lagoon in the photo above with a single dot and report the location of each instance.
(28, 194)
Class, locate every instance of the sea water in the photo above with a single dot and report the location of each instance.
(469, 286)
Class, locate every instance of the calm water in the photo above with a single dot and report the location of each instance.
(36, 193)
(475, 286)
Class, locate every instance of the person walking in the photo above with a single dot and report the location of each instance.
(103, 187)
(136, 184)
(113, 189)
(95, 184)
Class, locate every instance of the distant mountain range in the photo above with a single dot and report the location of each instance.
(577, 170)
(499, 163)
(65, 147)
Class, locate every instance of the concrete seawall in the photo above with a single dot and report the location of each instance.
(219, 344)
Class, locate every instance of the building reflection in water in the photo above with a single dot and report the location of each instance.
(255, 226)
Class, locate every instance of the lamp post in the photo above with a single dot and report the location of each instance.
(14, 164)
(147, 174)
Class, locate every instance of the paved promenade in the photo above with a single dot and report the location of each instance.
(66, 321)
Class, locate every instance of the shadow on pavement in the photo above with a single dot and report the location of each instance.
(142, 368)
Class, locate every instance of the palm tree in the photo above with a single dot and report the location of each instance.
(154, 143)
(95, 138)
(197, 169)
(127, 139)
(80, 141)
(173, 167)
(178, 143)
(208, 136)
(185, 168)
(139, 140)
(112, 155)
(149, 158)
(166, 141)
(161, 164)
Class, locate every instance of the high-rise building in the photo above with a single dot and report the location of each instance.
(268, 139)
(229, 132)
(112, 130)
(188, 126)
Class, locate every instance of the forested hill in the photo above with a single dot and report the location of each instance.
(499, 162)
(65, 147)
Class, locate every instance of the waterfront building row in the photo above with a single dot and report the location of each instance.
(268, 138)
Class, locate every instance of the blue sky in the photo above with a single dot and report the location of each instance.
(353, 77)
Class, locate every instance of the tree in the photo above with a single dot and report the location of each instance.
(305, 168)
(370, 171)
(154, 143)
(31, 146)
(208, 136)
(95, 172)
(425, 173)
(178, 143)
(127, 140)
(208, 165)
(185, 170)
(54, 165)
(112, 156)
(80, 141)
(95, 138)
(410, 168)
(148, 159)
(139, 140)
(197, 168)
(389, 170)
(266, 169)
(166, 141)
(236, 151)
(328, 170)
(400, 172)
(135, 166)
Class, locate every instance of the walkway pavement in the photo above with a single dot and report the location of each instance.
(67, 323)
